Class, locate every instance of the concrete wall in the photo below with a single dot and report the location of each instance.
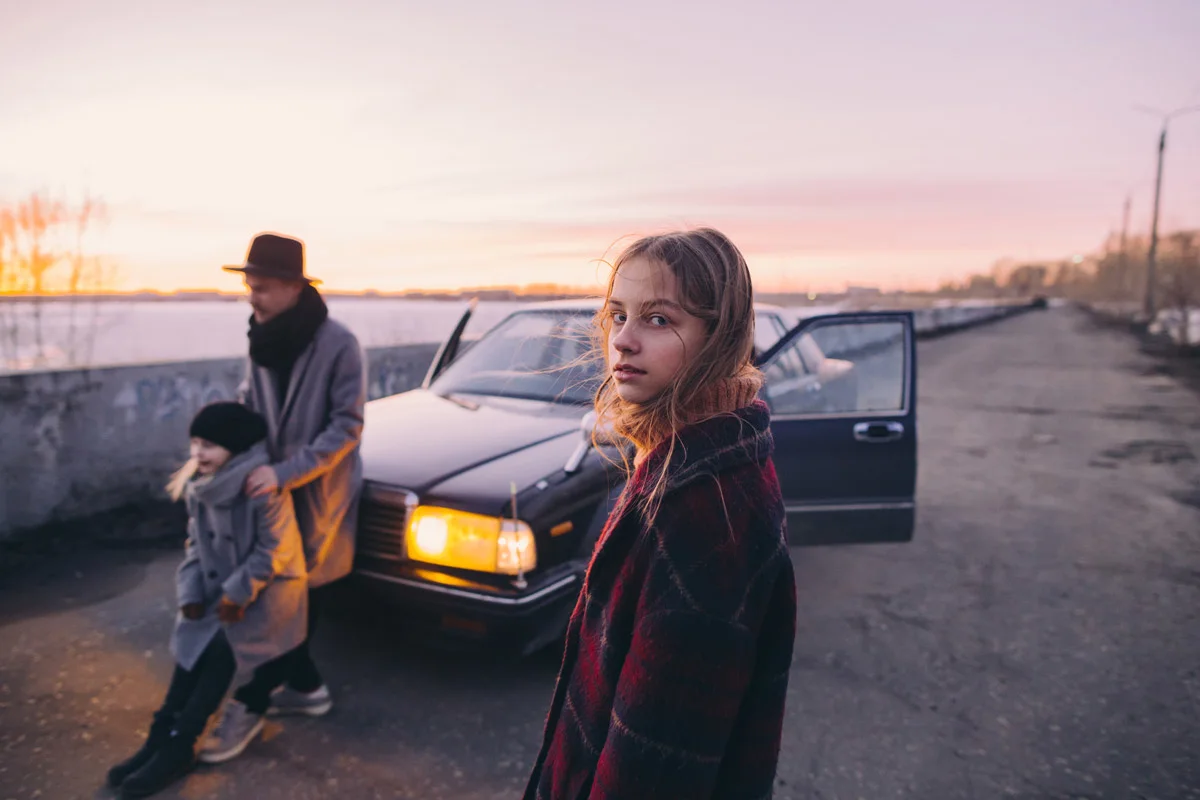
(78, 442)
(847, 341)
(947, 318)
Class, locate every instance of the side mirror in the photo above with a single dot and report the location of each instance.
(587, 428)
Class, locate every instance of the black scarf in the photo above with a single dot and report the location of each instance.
(277, 343)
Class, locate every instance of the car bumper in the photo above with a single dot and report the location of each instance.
(456, 609)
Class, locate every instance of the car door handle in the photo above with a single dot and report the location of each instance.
(877, 432)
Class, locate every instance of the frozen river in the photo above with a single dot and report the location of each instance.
(134, 332)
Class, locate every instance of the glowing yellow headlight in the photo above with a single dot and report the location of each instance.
(470, 541)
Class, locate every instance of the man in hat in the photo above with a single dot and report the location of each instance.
(306, 376)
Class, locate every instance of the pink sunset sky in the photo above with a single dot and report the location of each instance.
(437, 145)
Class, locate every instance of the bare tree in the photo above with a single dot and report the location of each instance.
(43, 260)
(1114, 276)
(1181, 279)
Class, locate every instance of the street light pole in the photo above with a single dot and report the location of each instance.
(1149, 304)
(1151, 266)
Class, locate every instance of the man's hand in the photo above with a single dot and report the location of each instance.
(230, 612)
(192, 611)
(261, 481)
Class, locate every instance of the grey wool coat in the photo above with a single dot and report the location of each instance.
(314, 439)
(248, 550)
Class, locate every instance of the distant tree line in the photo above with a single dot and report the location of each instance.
(1116, 274)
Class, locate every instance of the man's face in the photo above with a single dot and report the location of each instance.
(270, 297)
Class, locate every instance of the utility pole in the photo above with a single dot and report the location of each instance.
(1149, 305)
(1151, 266)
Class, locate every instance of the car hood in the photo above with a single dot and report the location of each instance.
(419, 439)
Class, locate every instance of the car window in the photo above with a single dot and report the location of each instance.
(538, 355)
(768, 328)
(810, 352)
(839, 368)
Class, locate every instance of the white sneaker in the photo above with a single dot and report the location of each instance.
(235, 731)
(287, 701)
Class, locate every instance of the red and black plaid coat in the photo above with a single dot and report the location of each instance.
(678, 652)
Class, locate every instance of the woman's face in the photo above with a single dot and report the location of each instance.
(209, 457)
(650, 336)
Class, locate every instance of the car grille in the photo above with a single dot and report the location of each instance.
(382, 517)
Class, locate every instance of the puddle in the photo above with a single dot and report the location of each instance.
(1133, 413)
(1146, 451)
(1034, 411)
(1187, 498)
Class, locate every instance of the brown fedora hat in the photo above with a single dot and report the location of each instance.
(274, 256)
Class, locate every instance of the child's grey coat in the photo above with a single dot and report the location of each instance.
(248, 550)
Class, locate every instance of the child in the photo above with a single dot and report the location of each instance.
(678, 652)
(241, 592)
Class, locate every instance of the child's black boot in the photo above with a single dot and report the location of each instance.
(174, 759)
(160, 730)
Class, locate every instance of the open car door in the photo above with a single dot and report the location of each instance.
(449, 349)
(843, 396)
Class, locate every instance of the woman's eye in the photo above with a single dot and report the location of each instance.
(618, 317)
(659, 320)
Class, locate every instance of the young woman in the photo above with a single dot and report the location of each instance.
(241, 592)
(678, 652)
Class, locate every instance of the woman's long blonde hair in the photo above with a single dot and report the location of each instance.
(714, 285)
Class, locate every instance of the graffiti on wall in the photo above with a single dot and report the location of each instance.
(161, 398)
(397, 370)
(390, 379)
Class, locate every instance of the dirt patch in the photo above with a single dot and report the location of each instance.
(1027, 411)
(1169, 359)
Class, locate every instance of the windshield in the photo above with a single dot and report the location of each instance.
(533, 355)
(546, 355)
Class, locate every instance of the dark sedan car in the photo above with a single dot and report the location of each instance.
(484, 497)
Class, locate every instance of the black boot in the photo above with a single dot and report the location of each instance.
(175, 759)
(159, 732)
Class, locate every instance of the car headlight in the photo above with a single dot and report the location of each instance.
(470, 541)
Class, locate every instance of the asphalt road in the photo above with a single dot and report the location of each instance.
(1039, 639)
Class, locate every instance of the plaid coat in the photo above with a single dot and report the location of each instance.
(678, 651)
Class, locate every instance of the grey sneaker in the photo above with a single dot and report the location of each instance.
(287, 701)
(233, 734)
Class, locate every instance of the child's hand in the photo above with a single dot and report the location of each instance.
(192, 611)
(262, 480)
(230, 612)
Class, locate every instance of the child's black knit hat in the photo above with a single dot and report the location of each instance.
(230, 425)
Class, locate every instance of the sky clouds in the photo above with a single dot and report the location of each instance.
(459, 143)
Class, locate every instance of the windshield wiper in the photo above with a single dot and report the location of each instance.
(534, 397)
